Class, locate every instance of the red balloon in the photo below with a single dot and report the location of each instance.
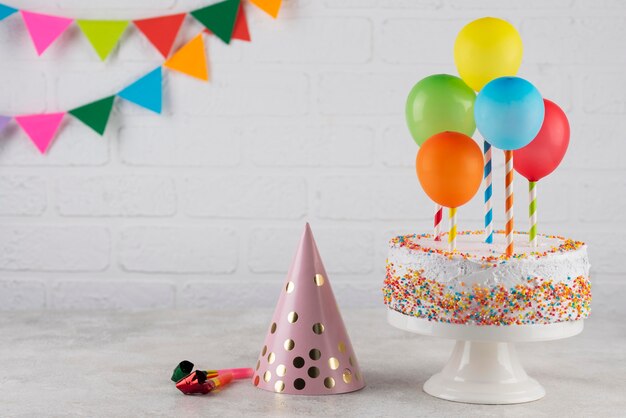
(544, 153)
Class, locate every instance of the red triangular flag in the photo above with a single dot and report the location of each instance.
(161, 31)
(240, 30)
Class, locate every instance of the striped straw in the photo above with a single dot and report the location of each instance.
(508, 181)
(438, 218)
(532, 213)
(452, 233)
(488, 210)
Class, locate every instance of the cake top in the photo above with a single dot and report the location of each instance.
(471, 246)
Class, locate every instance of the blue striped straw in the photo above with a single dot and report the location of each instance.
(488, 210)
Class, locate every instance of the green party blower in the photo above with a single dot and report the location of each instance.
(185, 368)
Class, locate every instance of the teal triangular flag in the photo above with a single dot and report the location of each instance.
(145, 92)
(6, 11)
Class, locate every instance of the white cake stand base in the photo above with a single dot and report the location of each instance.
(484, 367)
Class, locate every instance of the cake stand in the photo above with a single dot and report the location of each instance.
(484, 367)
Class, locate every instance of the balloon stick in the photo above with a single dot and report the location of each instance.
(488, 193)
(508, 181)
(452, 233)
(532, 213)
(438, 218)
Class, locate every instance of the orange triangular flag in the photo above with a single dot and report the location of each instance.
(190, 59)
(271, 7)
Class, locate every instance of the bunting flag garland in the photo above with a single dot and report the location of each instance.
(44, 29)
(4, 120)
(271, 7)
(145, 92)
(190, 59)
(226, 19)
(219, 18)
(6, 11)
(95, 114)
(103, 34)
(41, 128)
(161, 31)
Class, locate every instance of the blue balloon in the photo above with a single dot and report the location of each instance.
(509, 112)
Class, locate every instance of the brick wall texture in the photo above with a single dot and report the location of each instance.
(207, 201)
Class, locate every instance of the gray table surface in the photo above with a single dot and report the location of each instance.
(108, 364)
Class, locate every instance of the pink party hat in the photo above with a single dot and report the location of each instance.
(307, 350)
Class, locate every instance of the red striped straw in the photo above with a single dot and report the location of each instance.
(438, 218)
(508, 181)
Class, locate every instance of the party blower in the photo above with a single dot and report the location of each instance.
(185, 368)
(200, 383)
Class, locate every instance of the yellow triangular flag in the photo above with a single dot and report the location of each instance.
(103, 34)
(271, 7)
(190, 59)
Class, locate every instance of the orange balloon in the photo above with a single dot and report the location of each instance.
(449, 167)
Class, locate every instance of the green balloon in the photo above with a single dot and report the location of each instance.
(440, 103)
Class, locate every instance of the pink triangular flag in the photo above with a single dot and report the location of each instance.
(41, 128)
(44, 29)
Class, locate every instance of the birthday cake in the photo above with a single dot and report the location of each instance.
(479, 285)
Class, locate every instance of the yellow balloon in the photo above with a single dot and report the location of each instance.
(485, 49)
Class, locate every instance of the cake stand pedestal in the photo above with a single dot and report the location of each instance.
(484, 367)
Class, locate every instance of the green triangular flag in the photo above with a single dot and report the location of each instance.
(103, 34)
(219, 18)
(95, 114)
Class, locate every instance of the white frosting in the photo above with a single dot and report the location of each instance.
(462, 272)
(478, 285)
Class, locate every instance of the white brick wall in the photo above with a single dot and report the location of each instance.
(305, 123)
(23, 195)
(158, 249)
(63, 247)
(122, 195)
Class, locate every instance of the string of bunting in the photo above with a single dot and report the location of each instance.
(225, 19)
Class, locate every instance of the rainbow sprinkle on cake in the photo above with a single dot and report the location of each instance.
(479, 285)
